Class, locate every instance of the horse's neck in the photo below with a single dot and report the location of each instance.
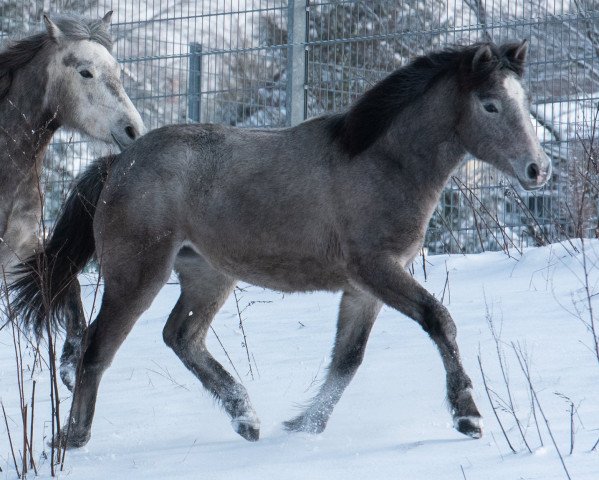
(423, 136)
(25, 127)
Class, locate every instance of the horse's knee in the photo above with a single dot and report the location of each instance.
(181, 330)
(175, 337)
(98, 350)
(102, 340)
(95, 359)
(169, 336)
(170, 332)
(437, 322)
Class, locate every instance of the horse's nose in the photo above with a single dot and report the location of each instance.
(131, 132)
(537, 174)
(127, 130)
(532, 171)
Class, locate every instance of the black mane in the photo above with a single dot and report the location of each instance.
(373, 113)
(19, 53)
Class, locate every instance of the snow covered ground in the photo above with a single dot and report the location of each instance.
(154, 420)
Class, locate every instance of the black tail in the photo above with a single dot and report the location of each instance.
(39, 294)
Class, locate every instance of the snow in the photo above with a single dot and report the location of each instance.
(572, 119)
(155, 421)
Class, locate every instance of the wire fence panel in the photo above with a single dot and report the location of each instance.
(272, 63)
(354, 44)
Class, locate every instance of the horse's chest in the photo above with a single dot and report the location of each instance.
(20, 208)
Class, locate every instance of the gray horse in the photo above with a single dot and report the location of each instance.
(339, 202)
(63, 76)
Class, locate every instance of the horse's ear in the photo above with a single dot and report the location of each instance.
(516, 53)
(107, 18)
(53, 31)
(482, 57)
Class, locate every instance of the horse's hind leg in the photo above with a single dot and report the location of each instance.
(357, 314)
(203, 292)
(75, 329)
(16, 246)
(131, 283)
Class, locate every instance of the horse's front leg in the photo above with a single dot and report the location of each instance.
(385, 277)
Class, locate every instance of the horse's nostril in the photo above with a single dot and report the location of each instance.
(130, 131)
(533, 171)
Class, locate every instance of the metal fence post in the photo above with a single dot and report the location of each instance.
(194, 88)
(296, 61)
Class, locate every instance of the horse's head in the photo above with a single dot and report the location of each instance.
(495, 124)
(84, 85)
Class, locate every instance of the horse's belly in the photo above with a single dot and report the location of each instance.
(288, 274)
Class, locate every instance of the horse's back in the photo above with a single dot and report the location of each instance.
(206, 165)
(255, 203)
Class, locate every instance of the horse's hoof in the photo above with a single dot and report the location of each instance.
(251, 434)
(69, 441)
(248, 428)
(300, 424)
(471, 426)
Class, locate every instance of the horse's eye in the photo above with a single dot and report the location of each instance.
(86, 74)
(491, 108)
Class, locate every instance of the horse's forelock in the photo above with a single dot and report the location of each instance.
(472, 78)
(79, 28)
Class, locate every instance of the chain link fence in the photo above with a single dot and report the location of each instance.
(272, 63)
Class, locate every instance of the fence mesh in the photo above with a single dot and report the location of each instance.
(271, 63)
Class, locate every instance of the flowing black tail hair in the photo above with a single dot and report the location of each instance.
(40, 292)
